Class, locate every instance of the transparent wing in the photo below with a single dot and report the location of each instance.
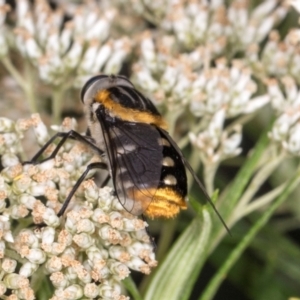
(136, 161)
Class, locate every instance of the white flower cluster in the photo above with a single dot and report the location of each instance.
(10, 137)
(286, 128)
(216, 143)
(80, 46)
(179, 81)
(169, 78)
(228, 88)
(223, 93)
(214, 24)
(215, 94)
(87, 252)
(248, 27)
(281, 57)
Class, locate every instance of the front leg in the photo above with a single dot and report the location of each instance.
(64, 135)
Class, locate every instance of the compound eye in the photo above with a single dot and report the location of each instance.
(102, 82)
(89, 83)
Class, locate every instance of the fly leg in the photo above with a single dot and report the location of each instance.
(97, 165)
(64, 135)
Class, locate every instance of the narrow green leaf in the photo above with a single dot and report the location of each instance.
(286, 250)
(233, 194)
(44, 291)
(237, 252)
(244, 175)
(188, 253)
(131, 288)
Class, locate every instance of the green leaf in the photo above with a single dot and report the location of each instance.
(131, 288)
(230, 197)
(172, 279)
(237, 252)
(245, 174)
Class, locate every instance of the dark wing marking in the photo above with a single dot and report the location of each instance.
(135, 157)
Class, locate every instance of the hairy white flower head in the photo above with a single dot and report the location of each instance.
(216, 143)
(86, 252)
(279, 57)
(213, 24)
(58, 48)
(286, 128)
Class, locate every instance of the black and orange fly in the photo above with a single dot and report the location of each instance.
(146, 166)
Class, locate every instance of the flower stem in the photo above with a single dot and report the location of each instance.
(26, 85)
(171, 118)
(57, 102)
(262, 201)
(209, 176)
(14, 72)
(258, 180)
(30, 94)
(232, 195)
